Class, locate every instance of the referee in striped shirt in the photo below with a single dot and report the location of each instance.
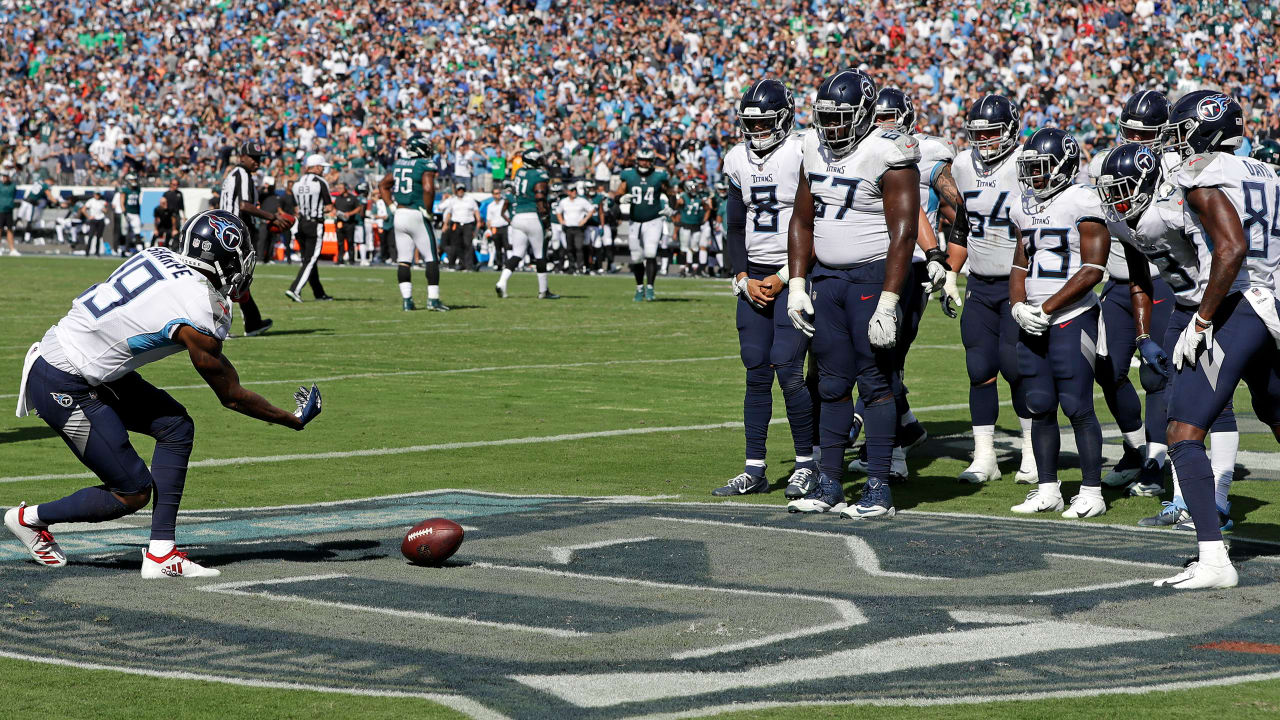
(239, 195)
(311, 192)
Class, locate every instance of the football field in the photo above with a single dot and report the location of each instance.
(577, 442)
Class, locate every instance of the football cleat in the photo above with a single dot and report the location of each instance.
(912, 436)
(293, 296)
(1125, 471)
(639, 295)
(38, 540)
(173, 564)
(502, 292)
(802, 482)
(875, 501)
(1027, 473)
(828, 496)
(1172, 513)
(648, 293)
(898, 470)
(1150, 482)
(325, 298)
(980, 471)
(743, 484)
(1224, 520)
(265, 326)
(1085, 506)
(548, 295)
(1202, 576)
(1040, 501)
(437, 306)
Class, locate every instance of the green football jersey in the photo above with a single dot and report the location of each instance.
(526, 180)
(132, 199)
(8, 193)
(692, 207)
(407, 174)
(645, 193)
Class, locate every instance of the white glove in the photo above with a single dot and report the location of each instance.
(937, 276)
(950, 297)
(1031, 318)
(740, 288)
(883, 329)
(798, 305)
(1187, 349)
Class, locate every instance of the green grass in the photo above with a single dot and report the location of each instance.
(598, 328)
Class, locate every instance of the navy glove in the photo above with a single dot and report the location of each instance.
(1154, 359)
(308, 403)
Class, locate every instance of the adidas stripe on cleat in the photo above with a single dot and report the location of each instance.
(37, 538)
(173, 564)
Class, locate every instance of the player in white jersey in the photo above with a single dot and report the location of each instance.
(763, 172)
(1141, 467)
(1148, 216)
(1235, 333)
(1060, 258)
(855, 221)
(80, 378)
(987, 177)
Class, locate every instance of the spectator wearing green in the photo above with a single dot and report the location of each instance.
(8, 198)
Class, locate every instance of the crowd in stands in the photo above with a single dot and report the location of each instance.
(92, 90)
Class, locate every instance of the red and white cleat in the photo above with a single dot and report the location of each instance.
(173, 564)
(38, 539)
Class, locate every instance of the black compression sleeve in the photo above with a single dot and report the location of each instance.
(736, 231)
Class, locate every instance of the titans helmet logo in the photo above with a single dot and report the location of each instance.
(225, 232)
(1070, 147)
(1212, 108)
(1145, 160)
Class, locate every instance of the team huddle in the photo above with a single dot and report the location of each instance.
(830, 233)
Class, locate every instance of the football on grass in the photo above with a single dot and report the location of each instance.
(431, 542)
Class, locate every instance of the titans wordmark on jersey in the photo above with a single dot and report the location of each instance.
(989, 192)
(1254, 191)
(1050, 234)
(1177, 250)
(129, 320)
(768, 189)
(849, 228)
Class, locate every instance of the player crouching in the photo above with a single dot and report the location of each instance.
(80, 378)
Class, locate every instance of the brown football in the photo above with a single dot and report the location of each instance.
(431, 542)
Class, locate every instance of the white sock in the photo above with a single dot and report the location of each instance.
(702, 257)
(1026, 433)
(542, 282)
(648, 287)
(433, 292)
(1158, 452)
(502, 281)
(984, 441)
(1094, 491)
(1177, 488)
(1222, 457)
(756, 463)
(640, 287)
(1214, 552)
(406, 290)
(31, 516)
(1135, 439)
(160, 548)
(907, 418)
(1050, 488)
(804, 458)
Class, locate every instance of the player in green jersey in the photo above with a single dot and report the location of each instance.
(410, 188)
(695, 208)
(645, 185)
(530, 216)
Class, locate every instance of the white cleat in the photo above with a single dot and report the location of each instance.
(174, 564)
(38, 540)
(983, 470)
(1202, 576)
(815, 505)
(898, 470)
(1085, 506)
(1027, 473)
(1039, 500)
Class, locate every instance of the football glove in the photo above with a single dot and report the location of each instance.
(950, 297)
(1031, 318)
(1154, 359)
(799, 306)
(740, 288)
(1191, 341)
(937, 269)
(308, 403)
(883, 329)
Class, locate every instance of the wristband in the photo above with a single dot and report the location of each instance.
(1092, 265)
(935, 254)
(1143, 336)
(888, 300)
(784, 275)
(1196, 317)
(797, 285)
(1026, 269)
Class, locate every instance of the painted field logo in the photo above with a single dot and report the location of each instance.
(578, 607)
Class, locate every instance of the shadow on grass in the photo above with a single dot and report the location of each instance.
(23, 434)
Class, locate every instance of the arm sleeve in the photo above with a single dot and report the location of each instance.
(736, 230)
